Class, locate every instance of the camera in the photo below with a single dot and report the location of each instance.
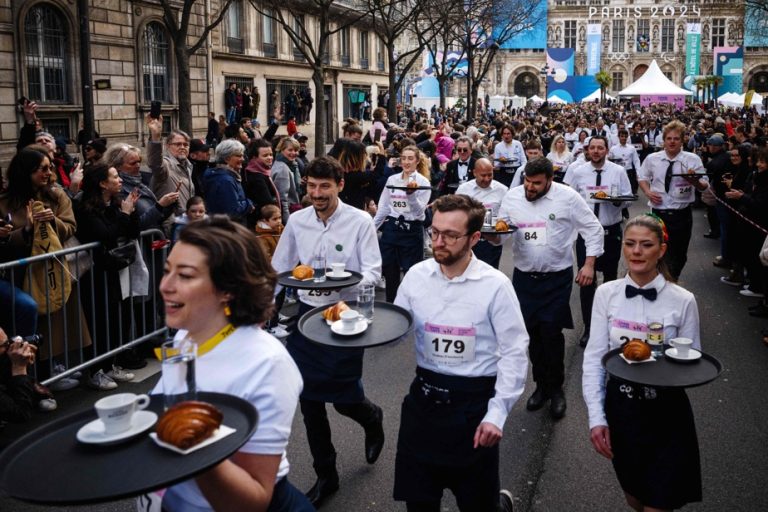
(32, 339)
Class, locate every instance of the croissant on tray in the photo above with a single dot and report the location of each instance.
(303, 272)
(601, 194)
(188, 423)
(333, 313)
(501, 225)
(636, 350)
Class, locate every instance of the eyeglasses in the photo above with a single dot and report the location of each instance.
(180, 144)
(448, 238)
(462, 150)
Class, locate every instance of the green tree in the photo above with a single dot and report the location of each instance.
(604, 80)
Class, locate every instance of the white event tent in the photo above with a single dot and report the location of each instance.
(535, 99)
(556, 99)
(654, 83)
(596, 96)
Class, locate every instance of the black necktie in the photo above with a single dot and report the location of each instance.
(649, 293)
(598, 180)
(668, 176)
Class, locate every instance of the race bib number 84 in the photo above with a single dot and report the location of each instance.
(448, 345)
(533, 233)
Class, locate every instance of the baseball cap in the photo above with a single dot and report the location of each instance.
(198, 145)
(716, 140)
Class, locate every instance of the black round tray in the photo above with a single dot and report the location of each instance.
(390, 323)
(616, 198)
(286, 279)
(490, 230)
(394, 187)
(49, 465)
(664, 372)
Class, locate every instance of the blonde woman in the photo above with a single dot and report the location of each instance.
(401, 216)
(560, 157)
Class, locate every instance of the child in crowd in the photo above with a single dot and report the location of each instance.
(195, 211)
(269, 228)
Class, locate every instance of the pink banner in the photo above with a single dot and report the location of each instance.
(676, 100)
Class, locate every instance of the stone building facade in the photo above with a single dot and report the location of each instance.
(132, 57)
(519, 71)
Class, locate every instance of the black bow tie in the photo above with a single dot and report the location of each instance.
(631, 291)
(463, 163)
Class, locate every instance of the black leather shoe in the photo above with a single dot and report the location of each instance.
(584, 339)
(374, 438)
(557, 405)
(324, 487)
(537, 400)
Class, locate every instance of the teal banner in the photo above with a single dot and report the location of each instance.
(693, 49)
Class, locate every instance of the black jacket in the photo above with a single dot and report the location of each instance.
(452, 175)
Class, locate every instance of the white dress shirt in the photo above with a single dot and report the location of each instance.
(580, 160)
(513, 152)
(348, 237)
(480, 310)
(462, 169)
(562, 160)
(255, 366)
(681, 192)
(548, 226)
(616, 319)
(490, 196)
(394, 203)
(583, 180)
(627, 154)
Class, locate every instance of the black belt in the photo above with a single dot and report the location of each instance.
(671, 212)
(540, 276)
(446, 389)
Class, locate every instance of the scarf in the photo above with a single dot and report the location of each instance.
(256, 167)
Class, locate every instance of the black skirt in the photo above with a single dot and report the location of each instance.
(655, 448)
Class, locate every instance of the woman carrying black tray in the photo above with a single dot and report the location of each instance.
(647, 432)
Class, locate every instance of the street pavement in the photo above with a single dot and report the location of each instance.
(551, 466)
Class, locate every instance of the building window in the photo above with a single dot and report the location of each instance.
(569, 34)
(643, 36)
(667, 35)
(668, 74)
(364, 49)
(233, 27)
(499, 75)
(45, 59)
(344, 45)
(298, 29)
(718, 32)
(268, 31)
(380, 54)
(618, 36)
(618, 81)
(155, 68)
(241, 81)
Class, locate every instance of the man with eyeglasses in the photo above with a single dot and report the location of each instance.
(459, 171)
(548, 216)
(171, 170)
(470, 368)
(490, 193)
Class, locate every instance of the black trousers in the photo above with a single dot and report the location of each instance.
(487, 252)
(679, 224)
(608, 264)
(319, 429)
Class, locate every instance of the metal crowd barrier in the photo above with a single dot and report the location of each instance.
(143, 321)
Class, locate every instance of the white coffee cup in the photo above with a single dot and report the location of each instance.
(337, 269)
(682, 346)
(116, 411)
(349, 319)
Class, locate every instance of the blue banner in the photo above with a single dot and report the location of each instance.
(594, 44)
(755, 26)
(534, 35)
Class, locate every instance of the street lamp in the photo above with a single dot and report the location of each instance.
(545, 72)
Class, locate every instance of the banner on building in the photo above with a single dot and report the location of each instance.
(692, 49)
(534, 35)
(729, 64)
(594, 43)
(573, 89)
(755, 26)
(561, 61)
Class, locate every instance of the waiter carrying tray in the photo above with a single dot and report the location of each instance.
(670, 195)
(470, 343)
(345, 235)
(489, 192)
(548, 216)
(600, 175)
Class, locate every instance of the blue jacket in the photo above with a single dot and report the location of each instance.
(224, 194)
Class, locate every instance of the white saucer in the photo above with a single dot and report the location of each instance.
(336, 277)
(360, 326)
(93, 432)
(693, 354)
